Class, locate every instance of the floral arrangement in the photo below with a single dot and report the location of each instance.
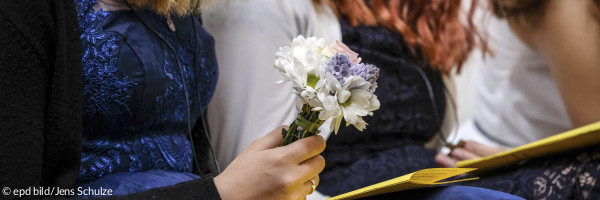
(331, 83)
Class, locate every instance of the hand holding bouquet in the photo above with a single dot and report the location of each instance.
(331, 83)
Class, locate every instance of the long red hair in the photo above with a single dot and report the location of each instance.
(431, 28)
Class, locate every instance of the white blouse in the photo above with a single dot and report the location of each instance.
(516, 99)
(248, 103)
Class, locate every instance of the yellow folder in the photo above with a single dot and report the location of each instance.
(419, 179)
(582, 137)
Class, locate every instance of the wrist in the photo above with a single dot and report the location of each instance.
(223, 188)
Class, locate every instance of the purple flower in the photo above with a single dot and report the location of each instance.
(368, 72)
(340, 67)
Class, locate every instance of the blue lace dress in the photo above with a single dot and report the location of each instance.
(143, 85)
(393, 143)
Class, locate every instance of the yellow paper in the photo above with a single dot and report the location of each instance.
(584, 136)
(419, 179)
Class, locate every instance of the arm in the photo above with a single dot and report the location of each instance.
(567, 34)
(22, 101)
(247, 35)
(569, 38)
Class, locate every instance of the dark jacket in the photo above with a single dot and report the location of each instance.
(41, 102)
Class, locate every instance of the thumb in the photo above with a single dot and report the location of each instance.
(269, 141)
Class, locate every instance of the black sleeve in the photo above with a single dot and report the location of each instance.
(24, 90)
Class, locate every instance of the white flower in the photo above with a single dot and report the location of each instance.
(301, 63)
(305, 62)
(301, 60)
(360, 103)
(350, 101)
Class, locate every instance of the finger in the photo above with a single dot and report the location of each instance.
(481, 150)
(445, 161)
(311, 167)
(305, 148)
(304, 188)
(269, 141)
(309, 185)
(463, 154)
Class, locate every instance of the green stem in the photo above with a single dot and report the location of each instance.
(309, 126)
(288, 137)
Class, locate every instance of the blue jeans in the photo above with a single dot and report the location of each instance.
(448, 193)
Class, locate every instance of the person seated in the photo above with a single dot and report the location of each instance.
(134, 122)
(415, 44)
(541, 81)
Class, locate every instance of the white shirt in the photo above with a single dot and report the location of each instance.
(247, 102)
(516, 99)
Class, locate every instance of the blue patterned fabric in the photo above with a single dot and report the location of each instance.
(393, 143)
(140, 81)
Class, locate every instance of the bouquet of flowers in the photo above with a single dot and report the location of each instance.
(331, 83)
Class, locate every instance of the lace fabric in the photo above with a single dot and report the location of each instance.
(570, 175)
(106, 91)
(135, 100)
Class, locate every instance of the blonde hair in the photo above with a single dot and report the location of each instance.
(167, 7)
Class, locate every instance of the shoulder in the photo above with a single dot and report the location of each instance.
(284, 20)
